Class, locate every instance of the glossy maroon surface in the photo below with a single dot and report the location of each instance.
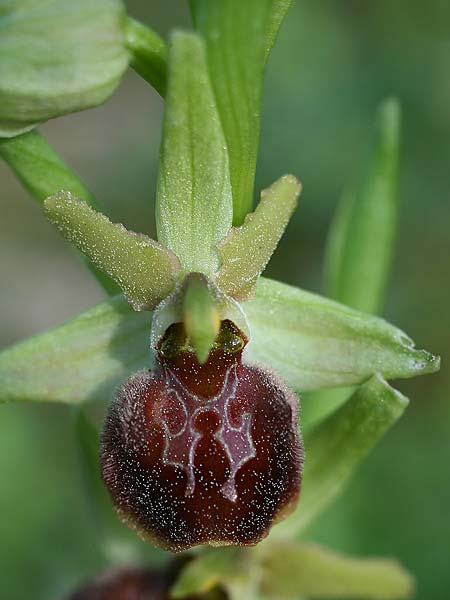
(209, 453)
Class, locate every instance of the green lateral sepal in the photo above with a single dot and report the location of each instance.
(143, 268)
(246, 250)
(315, 343)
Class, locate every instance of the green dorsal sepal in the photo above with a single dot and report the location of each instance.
(144, 269)
(245, 252)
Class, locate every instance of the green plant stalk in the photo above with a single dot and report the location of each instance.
(43, 173)
(148, 54)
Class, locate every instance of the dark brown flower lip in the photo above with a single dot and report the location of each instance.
(156, 497)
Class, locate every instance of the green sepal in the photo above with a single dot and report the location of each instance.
(290, 570)
(43, 173)
(200, 315)
(148, 54)
(336, 446)
(85, 358)
(194, 202)
(57, 57)
(246, 250)
(80, 361)
(144, 269)
(361, 238)
(314, 343)
(238, 36)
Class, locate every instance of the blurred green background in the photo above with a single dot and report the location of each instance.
(333, 63)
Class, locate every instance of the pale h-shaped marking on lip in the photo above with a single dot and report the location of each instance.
(180, 447)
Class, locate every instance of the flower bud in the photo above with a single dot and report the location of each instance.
(202, 453)
(137, 583)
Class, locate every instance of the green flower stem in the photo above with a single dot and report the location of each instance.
(337, 445)
(148, 54)
(43, 173)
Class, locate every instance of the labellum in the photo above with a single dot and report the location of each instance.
(202, 453)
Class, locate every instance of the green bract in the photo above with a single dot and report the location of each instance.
(57, 57)
(238, 38)
(361, 238)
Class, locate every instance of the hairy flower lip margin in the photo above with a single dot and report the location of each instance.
(223, 480)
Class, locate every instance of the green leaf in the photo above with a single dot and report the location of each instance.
(293, 569)
(278, 11)
(359, 247)
(57, 57)
(144, 269)
(148, 54)
(80, 361)
(201, 317)
(194, 203)
(336, 446)
(362, 235)
(237, 36)
(313, 342)
(245, 252)
(43, 173)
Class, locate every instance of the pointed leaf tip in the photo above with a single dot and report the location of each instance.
(247, 249)
(317, 343)
(144, 269)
